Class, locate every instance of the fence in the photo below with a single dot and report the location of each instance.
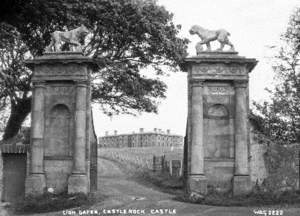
(173, 167)
(158, 159)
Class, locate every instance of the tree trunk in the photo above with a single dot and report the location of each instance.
(18, 113)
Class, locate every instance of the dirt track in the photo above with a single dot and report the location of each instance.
(125, 194)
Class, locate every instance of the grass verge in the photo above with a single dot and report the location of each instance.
(166, 183)
(287, 198)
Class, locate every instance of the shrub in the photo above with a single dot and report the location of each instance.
(252, 199)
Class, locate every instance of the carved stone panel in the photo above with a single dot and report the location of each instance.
(219, 68)
(57, 70)
(218, 88)
(60, 94)
(60, 90)
(218, 96)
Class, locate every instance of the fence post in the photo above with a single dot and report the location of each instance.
(299, 169)
(163, 161)
(171, 167)
(154, 164)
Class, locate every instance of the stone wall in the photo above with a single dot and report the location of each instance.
(273, 166)
(282, 164)
(258, 170)
(93, 156)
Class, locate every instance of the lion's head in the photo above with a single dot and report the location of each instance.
(83, 31)
(193, 29)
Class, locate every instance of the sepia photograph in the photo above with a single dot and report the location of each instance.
(150, 107)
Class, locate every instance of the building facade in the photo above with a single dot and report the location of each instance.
(141, 139)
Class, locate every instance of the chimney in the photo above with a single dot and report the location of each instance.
(168, 131)
(116, 132)
(141, 130)
(159, 130)
(106, 133)
(155, 130)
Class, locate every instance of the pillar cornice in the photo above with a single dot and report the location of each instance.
(240, 83)
(197, 82)
(82, 83)
(39, 84)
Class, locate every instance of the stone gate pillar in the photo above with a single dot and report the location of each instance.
(197, 179)
(241, 180)
(218, 106)
(62, 127)
(78, 181)
(36, 182)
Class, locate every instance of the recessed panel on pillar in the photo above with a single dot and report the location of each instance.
(58, 147)
(219, 133)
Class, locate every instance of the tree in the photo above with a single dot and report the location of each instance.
(127, 36)
(280, 116)
(14, 79)
(4, 117)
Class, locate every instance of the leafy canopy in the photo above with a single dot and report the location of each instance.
(280, 116)
(127, 36)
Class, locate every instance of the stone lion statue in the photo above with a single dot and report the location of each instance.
(72, 38)
(207, 36)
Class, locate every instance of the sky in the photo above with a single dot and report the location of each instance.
(255, 26)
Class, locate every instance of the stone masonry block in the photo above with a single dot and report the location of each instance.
(78, 183)
(241, 185)
(198, 184)
(35, 184)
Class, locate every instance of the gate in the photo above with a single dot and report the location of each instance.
(14, 174)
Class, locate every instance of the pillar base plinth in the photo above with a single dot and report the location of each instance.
(35, 184)
(78, 183)
(241, 185)
(197, 184)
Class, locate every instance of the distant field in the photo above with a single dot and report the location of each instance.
(141, 156)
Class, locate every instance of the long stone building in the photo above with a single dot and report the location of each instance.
(141, 139)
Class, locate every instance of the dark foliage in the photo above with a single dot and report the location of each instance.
(126, 37)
